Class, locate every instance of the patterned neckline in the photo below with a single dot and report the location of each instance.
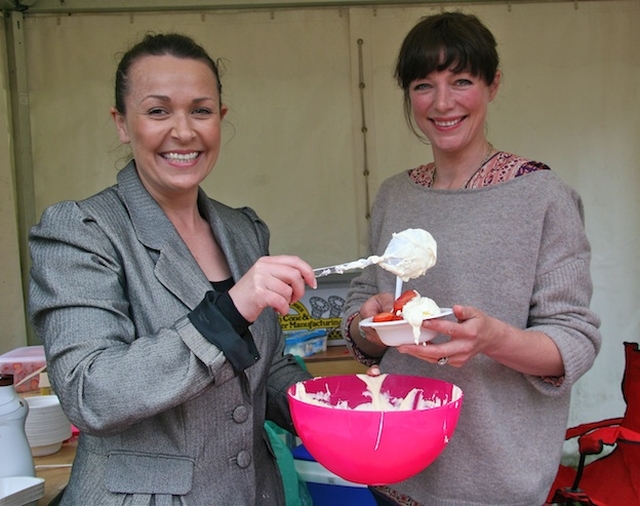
(500, 167)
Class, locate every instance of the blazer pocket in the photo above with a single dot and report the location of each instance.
(139, 473)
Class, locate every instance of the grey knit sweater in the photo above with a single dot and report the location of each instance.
(518, 251)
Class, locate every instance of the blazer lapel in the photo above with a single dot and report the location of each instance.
(176, 268)
(224, 235)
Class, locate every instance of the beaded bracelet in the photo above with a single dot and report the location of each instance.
(360, 356)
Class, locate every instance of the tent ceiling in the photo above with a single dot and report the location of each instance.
(71, 6)
(66, 6)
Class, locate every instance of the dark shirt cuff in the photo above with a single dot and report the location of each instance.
(230, 312)
(226, 329)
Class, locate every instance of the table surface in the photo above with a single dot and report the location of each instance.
(336, 360)
(55, 469)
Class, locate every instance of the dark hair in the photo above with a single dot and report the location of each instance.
(172, 44)
(450, 40)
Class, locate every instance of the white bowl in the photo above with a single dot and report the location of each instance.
(42, 451)
(397, 332)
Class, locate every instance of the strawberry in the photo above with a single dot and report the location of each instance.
(385, 317)
(403, 299)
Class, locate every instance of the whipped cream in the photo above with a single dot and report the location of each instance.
(416, 310)
(409, 254)
(379, 401)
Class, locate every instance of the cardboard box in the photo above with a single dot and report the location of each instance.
(320, 309)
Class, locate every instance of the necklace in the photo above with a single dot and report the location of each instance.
(487, 155)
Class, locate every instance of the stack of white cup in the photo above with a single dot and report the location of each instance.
(46, 426)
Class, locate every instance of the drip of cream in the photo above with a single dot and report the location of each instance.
(416, 310)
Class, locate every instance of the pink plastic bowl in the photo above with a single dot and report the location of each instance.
(375, 447)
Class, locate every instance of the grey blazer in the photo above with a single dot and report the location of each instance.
(163, 418)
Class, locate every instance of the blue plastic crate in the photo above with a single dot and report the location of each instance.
(327, 488)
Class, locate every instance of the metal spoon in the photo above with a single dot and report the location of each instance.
(407, 250)
(349, 266)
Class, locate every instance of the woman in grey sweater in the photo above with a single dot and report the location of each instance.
(157, 307)
(513, 262)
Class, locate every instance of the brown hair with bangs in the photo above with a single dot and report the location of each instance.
(449, 40)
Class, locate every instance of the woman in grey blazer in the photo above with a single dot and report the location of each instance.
(157, 307)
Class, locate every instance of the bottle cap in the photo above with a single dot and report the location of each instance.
(6, 380)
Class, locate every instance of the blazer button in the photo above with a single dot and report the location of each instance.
(243, 459)
(240, 414)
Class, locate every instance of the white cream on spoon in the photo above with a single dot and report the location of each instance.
(409, 255)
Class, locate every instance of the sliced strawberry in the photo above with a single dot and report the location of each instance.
(385, 317)
(403, 299)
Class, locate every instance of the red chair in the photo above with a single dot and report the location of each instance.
(612, 480)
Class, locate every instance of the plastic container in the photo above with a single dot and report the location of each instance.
(20, 363)
(327, 488)
(375, 447)
(305, 343)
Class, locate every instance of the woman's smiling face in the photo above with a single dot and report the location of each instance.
(450, 108)
(172, 121)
